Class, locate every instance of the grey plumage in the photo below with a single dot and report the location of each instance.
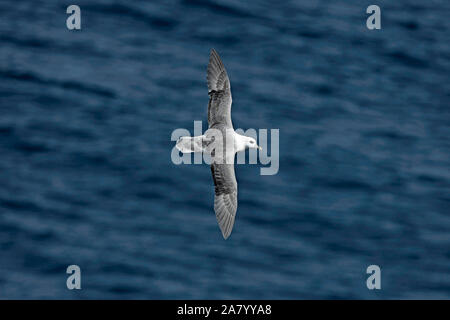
(219, 106)
(219, 117)
(225, 196)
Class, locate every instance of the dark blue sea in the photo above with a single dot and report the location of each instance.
(86, 176)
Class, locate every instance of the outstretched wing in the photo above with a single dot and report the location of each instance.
(219, 117)
(219, 107)
(225, 196)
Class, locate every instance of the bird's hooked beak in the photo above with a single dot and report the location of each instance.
(260, 148)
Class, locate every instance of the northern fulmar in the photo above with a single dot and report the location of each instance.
(222, 157)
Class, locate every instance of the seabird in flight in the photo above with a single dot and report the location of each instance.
(222, 165)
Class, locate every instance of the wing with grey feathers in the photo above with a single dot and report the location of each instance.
(219, 117)
(219, 107)
(225, 196)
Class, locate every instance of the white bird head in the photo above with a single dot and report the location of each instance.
(251, 144)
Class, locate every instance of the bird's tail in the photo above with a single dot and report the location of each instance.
(191, 144)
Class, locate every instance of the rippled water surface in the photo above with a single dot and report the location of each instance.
(85, 170)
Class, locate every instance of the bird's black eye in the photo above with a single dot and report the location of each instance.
(252, 142)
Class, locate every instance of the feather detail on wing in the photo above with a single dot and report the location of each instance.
(225, 196)
(219, 107)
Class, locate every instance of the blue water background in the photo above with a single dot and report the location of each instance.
(86, 176)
